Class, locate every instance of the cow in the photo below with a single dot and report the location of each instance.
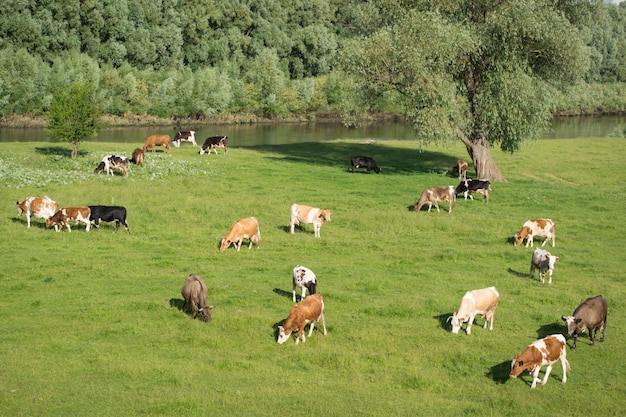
(247, 228)
(38, 207)
(64, 216)
(307, 215)
(469, 186)
(364, 162)
(541, 352)
(214, 142)
(111, 162)
(304, 278)
(433, 195)
(157, 140)
(108, 214)
(544, 262)
(185, 136)
(309, 310)
(481, 302)
(195, 292)
(460, 169)
(589, 315)
(536, 227)
(138, 156)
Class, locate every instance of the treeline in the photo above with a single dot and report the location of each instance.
(197, 58)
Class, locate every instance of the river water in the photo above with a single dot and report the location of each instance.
(285, 133)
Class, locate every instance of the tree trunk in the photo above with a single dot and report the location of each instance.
(479, 152)
(74, 150)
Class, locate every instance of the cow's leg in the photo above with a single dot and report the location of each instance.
(316, 229)
(547, 375)
(87, 225)
(536, 379)
(602, 328)
(69, 229)
(575, 339)
(303, 293)
(292, 224)
(529, 241)
(238, 243)
(564, 366)
(323, 318)
(437, 207)
(293, 291)
(468, 329)
(311, 326)
(544, 242)
(28, 219)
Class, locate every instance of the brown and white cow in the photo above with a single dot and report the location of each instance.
(247, 228)
(66, 215)
(309, 310)
(433, 195)
(536, 227)
(481, 302)
(38, 207)
(542, 352)
(185, 136)
(589, 315)
(307, 215)
(157, 140)
(304, 278)
(461, 169)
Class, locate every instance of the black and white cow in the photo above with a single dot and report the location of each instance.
(304, 278)
(108, 214)
(111, 162)
(469, 186)
(214, 142)
(364, 162)
(185, 136)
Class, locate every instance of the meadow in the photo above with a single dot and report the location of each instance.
(90, 322)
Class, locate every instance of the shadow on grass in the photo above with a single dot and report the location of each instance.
(499, 373)
(391, 160)
(33, 223)
(59, 150)
(177, 303)
(444, 321)
(518, 273)
(550, 329)
(283, 293)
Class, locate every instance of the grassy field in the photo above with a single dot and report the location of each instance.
(90, 322)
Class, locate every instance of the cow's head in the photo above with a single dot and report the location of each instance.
(517, 367)
(224, 244)
(519, 238)
(456, 322)
(282, 335)
(325, 215)
(573, 324)
(206, 313)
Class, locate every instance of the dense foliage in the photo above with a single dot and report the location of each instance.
(193, 58)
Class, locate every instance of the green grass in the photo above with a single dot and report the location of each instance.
(89, 322)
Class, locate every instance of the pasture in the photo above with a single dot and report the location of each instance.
(90, 322)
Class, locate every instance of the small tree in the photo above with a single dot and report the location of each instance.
(74, 114)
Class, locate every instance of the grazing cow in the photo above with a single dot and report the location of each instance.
(433, 195)
(469, 186)
(481, 302)
(364, 162)
(38, 207)
(214, 142)
(67, 215)
(194, 292)
(247, 228)
(111, 162)
(536, 227)
(185, 136)
(108, 214)
(541, 352)
(138, 156)
(544, 262)
(310, 310)
(304, 278)
(307, 215)
(460, 169)
(157, 140)
(589, 315)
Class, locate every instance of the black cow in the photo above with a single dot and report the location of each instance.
(185, 136)
(215, 142)
(589, 315)
(364, 162)
(108, 214)
(469, 186)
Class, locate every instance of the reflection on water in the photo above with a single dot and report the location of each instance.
(285, 133)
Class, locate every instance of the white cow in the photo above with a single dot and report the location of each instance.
(308, 215)
(304, 278)
(481, 302)
(544, 262)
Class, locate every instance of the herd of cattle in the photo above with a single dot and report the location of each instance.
(589, 316)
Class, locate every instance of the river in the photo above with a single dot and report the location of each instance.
(285, 133)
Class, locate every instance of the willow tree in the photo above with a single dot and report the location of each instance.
(479, 71)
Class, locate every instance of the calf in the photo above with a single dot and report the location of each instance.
(157, 140)
(542, 352)
(247, 228)
(111, 162)
(307, 215)
(544, 262)
(433, 195)
(138, 156)
(304, 278)
(536, 227)
(67, 215)
(185, 136)
(195, 292)
(364, 162)
(460, 169)
(108, 214)
(481, 302)
(310, 310)
(469, 186)
(589, 315)
(38, 207)
(214, 142)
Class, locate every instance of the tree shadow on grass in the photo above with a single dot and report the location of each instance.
(499, 373)
(59, 150)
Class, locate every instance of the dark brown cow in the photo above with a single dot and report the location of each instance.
(589, 315)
